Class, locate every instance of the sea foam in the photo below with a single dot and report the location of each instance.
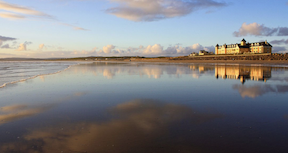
(13, 72)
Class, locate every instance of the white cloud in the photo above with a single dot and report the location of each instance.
(83, 52)
(94, 49)
(111, 50)
(41, 46)
(22, 47)
(256, 29)
(107, 49)
(152, 50)
(152, 10)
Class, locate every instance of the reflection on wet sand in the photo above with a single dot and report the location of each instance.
(136, 126)
(110, 70)
(14, 112)
(259, 90)
(243, 73)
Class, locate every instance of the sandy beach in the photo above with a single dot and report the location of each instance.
(143, 106)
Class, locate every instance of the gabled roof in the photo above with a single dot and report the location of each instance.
(243, 40)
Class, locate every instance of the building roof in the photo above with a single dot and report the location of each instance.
(261, 44)
(243, 40)
(248, 45)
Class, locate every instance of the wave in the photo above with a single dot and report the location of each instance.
(32, 77)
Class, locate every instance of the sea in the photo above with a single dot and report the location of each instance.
(13, 72)
(118, 107)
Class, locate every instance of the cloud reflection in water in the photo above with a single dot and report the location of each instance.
(18, 111)
(137, 126)
(259, 90)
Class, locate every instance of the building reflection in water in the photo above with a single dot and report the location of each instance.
(243, 73)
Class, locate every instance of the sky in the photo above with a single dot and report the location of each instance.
(151, 28)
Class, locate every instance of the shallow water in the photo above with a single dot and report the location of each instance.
(147, 107)
(12, 72)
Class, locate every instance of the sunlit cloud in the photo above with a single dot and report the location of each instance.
(22, 47)
(24, 11)
(41, 46)
(153, 10)
(15, 12)
(112, 50)
(256, 29)
(11, 16)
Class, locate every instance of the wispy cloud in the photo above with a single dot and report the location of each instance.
(256, 29)
(278, 42)
(20, 11)
(74, 27)
(153, 10)
(16, 12)
(11, 16)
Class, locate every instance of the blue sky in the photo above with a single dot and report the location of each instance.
(70, 28)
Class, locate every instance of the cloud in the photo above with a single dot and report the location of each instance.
(21, 12)
(278, 42)
(152, 50)
(74, 27)
(5, 46)
(153, 10)
(41, 46)
(22, 47)
(83, 52)
(256, 29)
(279, 49)
(172, 50)
(111, 50)
(2, 38)
(94, 49)
(19, 9)
(107, 49)
(11, 16)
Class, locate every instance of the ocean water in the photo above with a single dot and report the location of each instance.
(12, 72)
(148, 107)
